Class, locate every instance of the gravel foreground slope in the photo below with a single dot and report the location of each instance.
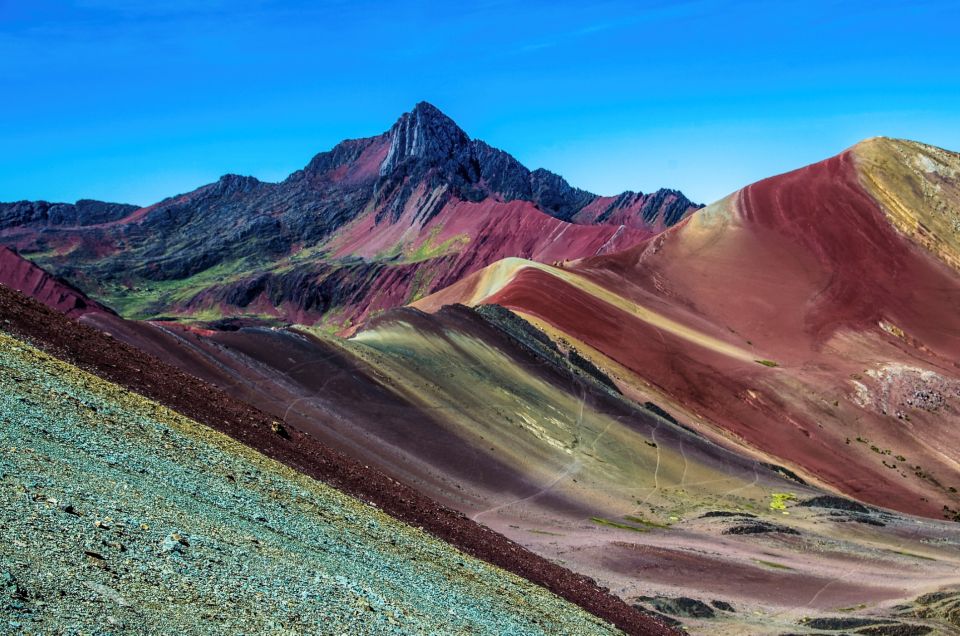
(106, 357)
(118, 515)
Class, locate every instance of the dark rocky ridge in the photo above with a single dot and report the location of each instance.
(835, 503)
(83, 212)
(426, 144)
(759, 527)
(241, 224)
(682, 606)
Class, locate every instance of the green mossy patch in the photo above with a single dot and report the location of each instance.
(773, 564)
(616, 524)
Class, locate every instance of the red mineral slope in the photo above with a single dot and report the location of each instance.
(459, 239)
(793, 317)
(493, 230)
(18, 273)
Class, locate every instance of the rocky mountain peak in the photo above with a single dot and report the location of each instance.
(424, 133)
(230, 184)
(555, 196)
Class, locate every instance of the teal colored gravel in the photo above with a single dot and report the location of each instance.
(118, 516)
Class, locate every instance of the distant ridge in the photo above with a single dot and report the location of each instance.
(371, 224)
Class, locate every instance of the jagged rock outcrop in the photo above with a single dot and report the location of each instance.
(83, 212)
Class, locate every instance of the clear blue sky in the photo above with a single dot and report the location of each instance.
(133, 101)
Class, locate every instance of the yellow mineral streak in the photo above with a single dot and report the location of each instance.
(500, 274)
(918, 187)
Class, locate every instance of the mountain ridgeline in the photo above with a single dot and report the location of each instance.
(371, 224)
(661, 408)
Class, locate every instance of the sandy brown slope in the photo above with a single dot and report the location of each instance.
(143, 374)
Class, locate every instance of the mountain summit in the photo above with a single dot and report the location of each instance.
(427, 146)
(424, 134)
(370, 224)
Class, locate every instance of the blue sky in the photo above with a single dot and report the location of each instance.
(133, 101)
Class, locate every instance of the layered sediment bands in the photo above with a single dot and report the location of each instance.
(869, 271)
(792, 317)
(675, 413)
(457, 404)
(487, 414)
(456, 241)
(511, 422)
(918, 187)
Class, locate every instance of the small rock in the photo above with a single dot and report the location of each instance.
(8, 582)
(108, 593)
(279, 429)
(727, 513)
(176, 542)
(669, 620)
(835, 503)
(96, 559)
(680, 606)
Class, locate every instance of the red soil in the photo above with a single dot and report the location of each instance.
(725, 577)
(476, 235)
(18, 273)
(495, 230)
(874, 272)
(823, 251)
(709, 383)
